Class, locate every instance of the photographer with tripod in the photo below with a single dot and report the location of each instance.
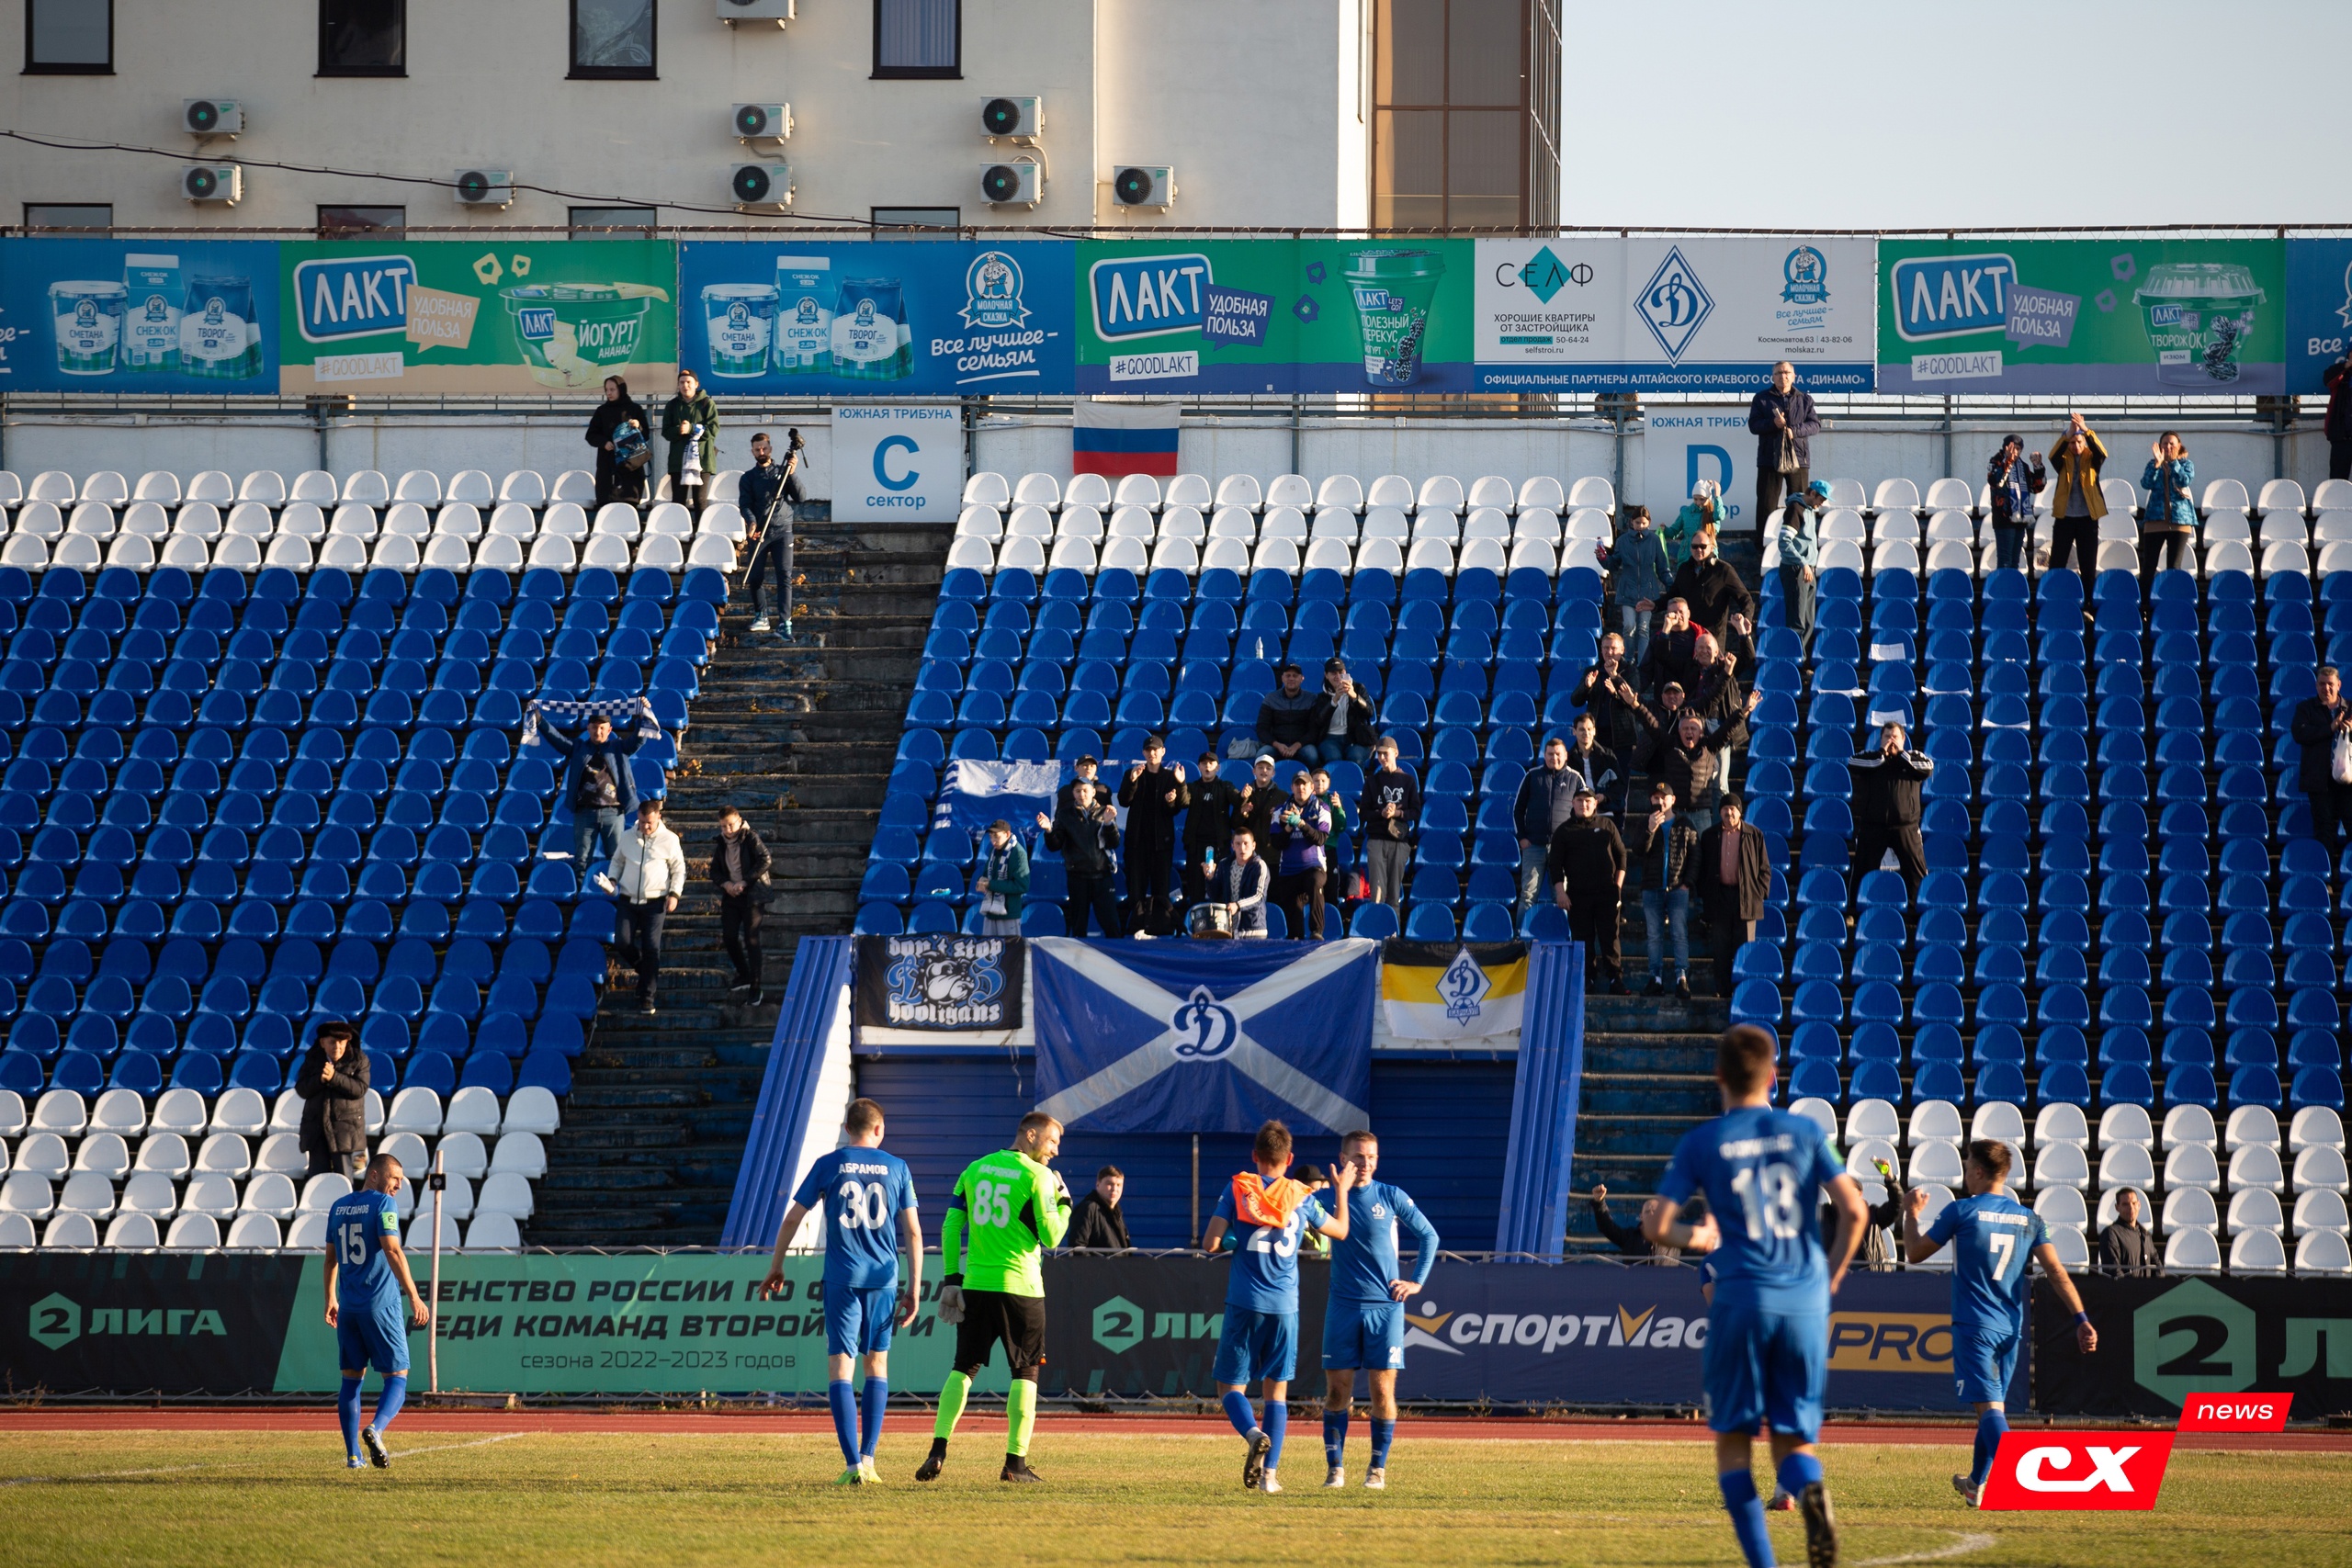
(768, 497)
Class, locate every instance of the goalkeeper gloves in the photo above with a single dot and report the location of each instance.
(951, 1304)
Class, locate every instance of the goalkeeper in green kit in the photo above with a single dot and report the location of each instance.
(1007, 1209)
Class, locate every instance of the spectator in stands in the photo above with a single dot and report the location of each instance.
(1547, 798)
(1337, 863)
(1704, 510)
(333, 1082)
(1260, 797)
(1628, 1239)
(1097, 1223)
(1719, 601)
(768, 497)
(1003, 882)
(1585, 864)
(1595, 764)
(1391, 805)
(1286, 716)
(1153, 794)
(1886, 806)
(1084, 831)
(1211, 807)
(1300, 826)
(690, 422)
(2077, 503)
(1638, 568)
(738, 869)
(2128, 1247)
(648, 873)
(1673, 654)
(2169, 522)
(2322, 722)
(1240, 884)
(1784, 422)
(597, 781)
(1342, 721)
(622, 433)
(2337, 425)
(1681, 754)
(1716, 697)
(1607, 692)
(2014, 477)
(1731, 874)
(1081, 771)
(1658, 844)
(1800, 556)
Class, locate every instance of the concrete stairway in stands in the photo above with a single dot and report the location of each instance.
(1649, 1077)
(800, 735)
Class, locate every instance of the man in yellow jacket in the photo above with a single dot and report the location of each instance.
(2075, 503)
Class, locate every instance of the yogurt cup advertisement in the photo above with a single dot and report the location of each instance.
(138, 316)
(2319, 309)
(2176, 318)
(1379, 315)
(876, 318)
(479, 317)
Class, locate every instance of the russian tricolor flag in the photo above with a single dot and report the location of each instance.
(1113, 439)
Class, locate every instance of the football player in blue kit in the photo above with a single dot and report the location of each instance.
(367, 1277)
(868, 1197)
(1765, 1173)
(1267, 1213)
(1991, 1235)
(1363, 1320)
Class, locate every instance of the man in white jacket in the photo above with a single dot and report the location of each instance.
(648, 872)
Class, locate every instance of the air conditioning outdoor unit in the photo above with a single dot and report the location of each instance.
(762, 122)
(223, 183)
(761, 186)
(777, 11)
(1017, 119)
(484, 187)
(1144, 185)
(212, 117)
(1019, 183)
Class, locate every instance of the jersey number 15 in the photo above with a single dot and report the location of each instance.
(351, 1244)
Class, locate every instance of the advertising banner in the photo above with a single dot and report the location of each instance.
(2319, 309)
(1658, 314)
(898, 461)
(2164, 1340)
(132, 316)
(392, 315)
(878, 317)
(2170, 316)
(953, 983)
(1684, 444)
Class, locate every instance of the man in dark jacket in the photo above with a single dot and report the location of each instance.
(738, 869)
(597, 784)
(1659, 842)
(1084, 831)
(2318, 721)
(1547, 798)
(1240, 884)
(690, 423)
(1211, 804)
(1719, 601)
(1342, 719)
(2128, 1247)
(1609, 693)
(2337, 426)
(1286, 716)
(1781, 414)
(1629, 1239)
(1886, 806)
(1261, 798)
(1586, 866)
(1096, 1222)
(1595, 764)
(1153, 794)
(333, 1082)
(1730, 872)
(1674, 649)
(1680, 753)
(769, 496)
(1391, 805)
(1081, 771)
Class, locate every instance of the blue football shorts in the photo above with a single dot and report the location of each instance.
(859, 1323)
(375, 1337)
(1983, 1363)
(1256, 1345)
(1761, 1365)
(1367, 1336)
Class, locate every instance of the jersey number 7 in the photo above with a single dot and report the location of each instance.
(2003, 1247)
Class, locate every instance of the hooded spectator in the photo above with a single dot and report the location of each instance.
(1638, 569)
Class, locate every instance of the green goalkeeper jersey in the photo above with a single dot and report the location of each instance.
(1005, 1211)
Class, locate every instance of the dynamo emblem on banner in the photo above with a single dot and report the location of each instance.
(992, 293)
(1210, 1026)
(1807, 272)
(1463, 986)
(1674, 304)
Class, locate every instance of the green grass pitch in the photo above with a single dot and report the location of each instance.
(258, 1500)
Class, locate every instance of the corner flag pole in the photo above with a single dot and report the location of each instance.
(433, 1321)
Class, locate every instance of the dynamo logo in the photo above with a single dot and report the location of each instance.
(1463, 987)
(1205, 1028)
(1674, 305)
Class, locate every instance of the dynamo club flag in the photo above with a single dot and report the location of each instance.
(1448, 990)
(1203, 1037)
(973, 794)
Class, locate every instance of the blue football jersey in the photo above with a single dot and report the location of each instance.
(356, 1227)
(1762, 1171)
(1991, 1236)
(1265, 1259)
(1364, 1261)
(863, 1192)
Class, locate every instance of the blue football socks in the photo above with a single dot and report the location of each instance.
(873, 1402)
(1989, 1430)
(1746, 1510)
(1335, 1437)
(1799, 1471)
(389, 1402)
(346, 1411)
(844, 1401)
(1236, 1410)
(1277, 1424)
(1382, 1434)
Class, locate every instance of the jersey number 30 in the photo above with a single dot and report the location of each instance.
(992, 1202)
(1768, 1195)
(863, 1206)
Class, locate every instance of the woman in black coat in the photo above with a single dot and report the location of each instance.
(615, 482)
(333, 1082)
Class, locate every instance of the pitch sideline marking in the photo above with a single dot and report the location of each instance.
(220, 1464)
(1959, 1548)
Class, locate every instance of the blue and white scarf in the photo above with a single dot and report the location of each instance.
(576, 715)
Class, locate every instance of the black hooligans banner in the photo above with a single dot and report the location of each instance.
(940, 982)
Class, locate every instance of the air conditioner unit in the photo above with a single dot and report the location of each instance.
(484, 187)
(212, 117)
(1020, 183)
(223, 183)
(761, 186)
(762, 122)
(1019, 119)
(1144, 185)
(776, 11)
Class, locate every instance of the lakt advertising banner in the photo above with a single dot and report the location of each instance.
(132, 316)
(2319, 309)
(379, 316)
(1588, 313)
(2175, 318)
(878, 317)
(2164, 1341)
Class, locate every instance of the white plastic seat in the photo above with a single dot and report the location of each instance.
(1390, 489)
(146, 519)
(398, 552)
(419, 484)
(1023, 554)
(53, 485)
(532, 1109)
(76, 552)
(2255, 1209)
(1440, 492)
(2061, 1206)
(163, 1154)
(61, 1111)
(225, 1154)
(321, 1192)
(707, 550)
(1030, 521)
(520, 1153)
(2251, 1124)
(1431, 555)
(2255, 1166)
(449, 554)
(1079, 522)
(265, 486)
(405, 517)
(28, 1193)
(619, 519)
(185, 552)
(92, 519)
(177, 1110)
(16, 1231)
(306, 1233)
(193, 1233)
(1939, 1197)
(252, 520)
(1381, 555)
(1998, 1119)
(577, 485)
(1936, 1161)
(1492, 489)
(208, 1192)
(1590, 522)
(1947, 524)
(87, 1192)
(104, 1153)
(1135, 490)
(555, 554)
(1282, 522)
(2192, 1252)
(1948, 492)
(161, 485)
(282, 1151)
(2314, 1126)
(661, 552)
(462, 1154)
(1895, 555)
(2286, 556)
(132, 552)
(2282, 528)
(2183, 1125)
(1862, 1155)
(1818, 1111)
(470, 485)
(341, 552)
(44, 1154)
(1385, 523)
(1543, 490)
(2321, 1210)
(1332, 555)
(1186, 490)
(2332, 495)
(1229, 555)
(987, 489)
(1892, 494)
(367, 487)
(1087, 490)
(254, 1231)
(414, 1109)
(2073, 1246)
(1037, 490)
(1952, 555)
(132, 1232)
(1848, 554)
(564, 520)
(420, 1232)
(1234, 489)
(2225, 495)
(107, 487)
(721, 517)
(2336, 554)
(2125, 1165)
(12, 490)
(1179, 523)
(2192, 1165)
(1078, 554)
(472, 1109)
(1592, 490)
(1176, 555)
(286, 1114)
(120, 1111)
(148, 1192)
(513, 520)
(1482, 555)
(240, 1110)
(12, 1113)
(1486, 522)
(2060, 1124)
(37, 520)
(316, 486)
(1135, 523)
(977, 554)
(1126, 555)
(272, 1194)
(2323, 1252)
(602, 549)
(70, 1232)
(1535, 555)
(493, 1232)
(1337, 489)
(2257, 1252)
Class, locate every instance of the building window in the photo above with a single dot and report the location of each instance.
(917, 218)
(42, 215)
(1464, 131)
(358, 222)
(611, 39)
(592, 222)
(69, 38)
(363, 38)
(919, 38)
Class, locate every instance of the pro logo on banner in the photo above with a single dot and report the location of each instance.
(2078, 1470)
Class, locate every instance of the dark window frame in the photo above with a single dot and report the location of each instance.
(911, 229)
(917, 73)
(25, 211)
(650, 72)
(38, 68)
(327, 230)
(1537, 109)
(362, 72)
(612, 231)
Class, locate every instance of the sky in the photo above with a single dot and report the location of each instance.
(1865, 114)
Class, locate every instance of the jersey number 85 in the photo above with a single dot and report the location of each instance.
(992, 1202)
(863, 1206)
